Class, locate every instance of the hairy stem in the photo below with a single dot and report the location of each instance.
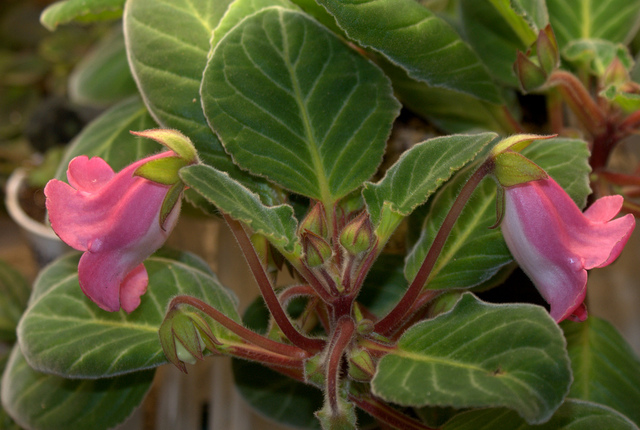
(342, 335)
(394, 318)
(266, 289)
(385, 413)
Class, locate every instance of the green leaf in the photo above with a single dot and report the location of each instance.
(291, 102)
(605, 368)
(14, 294)
(496, 31)
(480, 355)
(412, 37)
(473, 253)
(83, 11)
(419, 172)
(108, 137)
(103, 76)
(167, 43)
(64, 333)
(276, 223)
(449, 110)
(572, 415)
(595, 55)
(48, 402)
(614, 20)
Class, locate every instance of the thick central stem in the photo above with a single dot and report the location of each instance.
(393, 319)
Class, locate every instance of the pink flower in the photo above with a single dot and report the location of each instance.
(114, 219)
(555, 243)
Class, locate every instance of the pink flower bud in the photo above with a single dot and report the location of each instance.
(555, 243)
(115, 220)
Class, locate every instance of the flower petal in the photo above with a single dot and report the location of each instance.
(88, 175)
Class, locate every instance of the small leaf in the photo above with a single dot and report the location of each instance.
(276, 223)
(108, 137)
(291, 102)
(435, 54)
(596, 55)
(480, 355)
(614, 20)
(605, 368)
(420, 171)
(49, 402)
(67, 11)
(14, 294)
(572, 415)
(63, 332)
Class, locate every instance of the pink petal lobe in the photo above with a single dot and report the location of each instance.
(133, 286)
(604, 209)
(100, 278)
(89, 175)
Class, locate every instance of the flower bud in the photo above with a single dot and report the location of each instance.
(316, 249)
(530, 75)
(361, 365)
(357, 236)
(548, 52)
(315, 221)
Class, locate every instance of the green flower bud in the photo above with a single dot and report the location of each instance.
(315, 221)
(361, 365)
(357, 236)
(316, 249)
(547, 50)
(530, 75)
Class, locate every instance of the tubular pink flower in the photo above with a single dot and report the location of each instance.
(114, 219)
(555, 243)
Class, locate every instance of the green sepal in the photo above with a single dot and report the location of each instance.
(500, 207)
(162, 170)
(547, 50)
(530, 75)
(517, 142)
(513, 168)
(170, 201)
(344, 418)
(174, 140)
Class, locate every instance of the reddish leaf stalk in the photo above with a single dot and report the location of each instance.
(579, 100)
(342, 336)
(394, 318)
(250, 352)
(386, 414)
(266, 289)
(246, 334)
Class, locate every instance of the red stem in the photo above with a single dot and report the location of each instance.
(266, 289)
(386, 414)
(246, 334)
(342, 335)
(393, 319)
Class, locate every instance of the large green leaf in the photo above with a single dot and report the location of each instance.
(480, 355)
(277, 223)
(412, 37)
(419, 172)
(67, 11)
(48, 402)
(167, 44)
(291, 102)
(64, 333)
(108, 137)
(103, 76)
(496, 30)
(572, 415)
(605, 368)
(474, 253)
(14, 294)
(613, 20)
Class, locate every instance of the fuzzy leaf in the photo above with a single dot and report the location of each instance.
(64, 333)
(83, 11)
(14, 294)
(292, 103)
(480, 355)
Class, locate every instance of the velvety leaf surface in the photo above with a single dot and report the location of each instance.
(473, 253)
(613, 20)
(14, 294)
(48, 402)
(291, 102)
(435, 54)
(64, 333)
(480, 355)
(420, 171)
(67, 11)
(496, 31)
(108, 137)
(277, 222)
(103, 76)
(572, 415)
(605, 368)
